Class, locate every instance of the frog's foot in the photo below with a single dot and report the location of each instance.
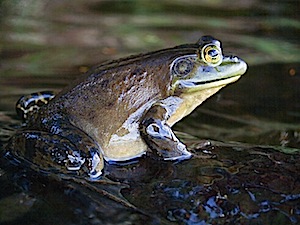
(54, 153)
(160, 137)
(94, 163)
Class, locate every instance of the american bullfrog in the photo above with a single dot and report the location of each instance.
(121, 109)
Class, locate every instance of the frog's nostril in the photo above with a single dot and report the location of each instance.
(234, 58)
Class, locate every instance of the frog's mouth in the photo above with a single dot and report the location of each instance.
(217, 80)
(230, 70)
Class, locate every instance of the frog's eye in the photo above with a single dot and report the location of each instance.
(182, 66)
(212, 55)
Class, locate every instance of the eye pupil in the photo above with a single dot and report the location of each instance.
(213, 53)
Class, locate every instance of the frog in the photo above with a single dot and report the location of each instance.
(122, 109)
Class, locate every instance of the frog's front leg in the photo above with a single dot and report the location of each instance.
(159, 136)
(53, 152)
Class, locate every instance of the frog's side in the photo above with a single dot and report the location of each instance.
(121, 108)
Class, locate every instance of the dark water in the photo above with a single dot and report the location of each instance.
(245, 139)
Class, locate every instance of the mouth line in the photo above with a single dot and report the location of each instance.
(212, 81)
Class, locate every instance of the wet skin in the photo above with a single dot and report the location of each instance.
(121, 109)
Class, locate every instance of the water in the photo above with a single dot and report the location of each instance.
(247, 170)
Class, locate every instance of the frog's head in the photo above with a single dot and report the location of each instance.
(205, 70)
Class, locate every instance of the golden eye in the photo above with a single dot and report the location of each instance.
(212, 55)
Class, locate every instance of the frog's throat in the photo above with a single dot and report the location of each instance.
(193, 98)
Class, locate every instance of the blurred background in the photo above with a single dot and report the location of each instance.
(44, 44)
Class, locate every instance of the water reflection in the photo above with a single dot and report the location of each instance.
(247, 173)
(252, 191)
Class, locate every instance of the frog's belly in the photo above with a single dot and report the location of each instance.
(125, 144)
(121, 150)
